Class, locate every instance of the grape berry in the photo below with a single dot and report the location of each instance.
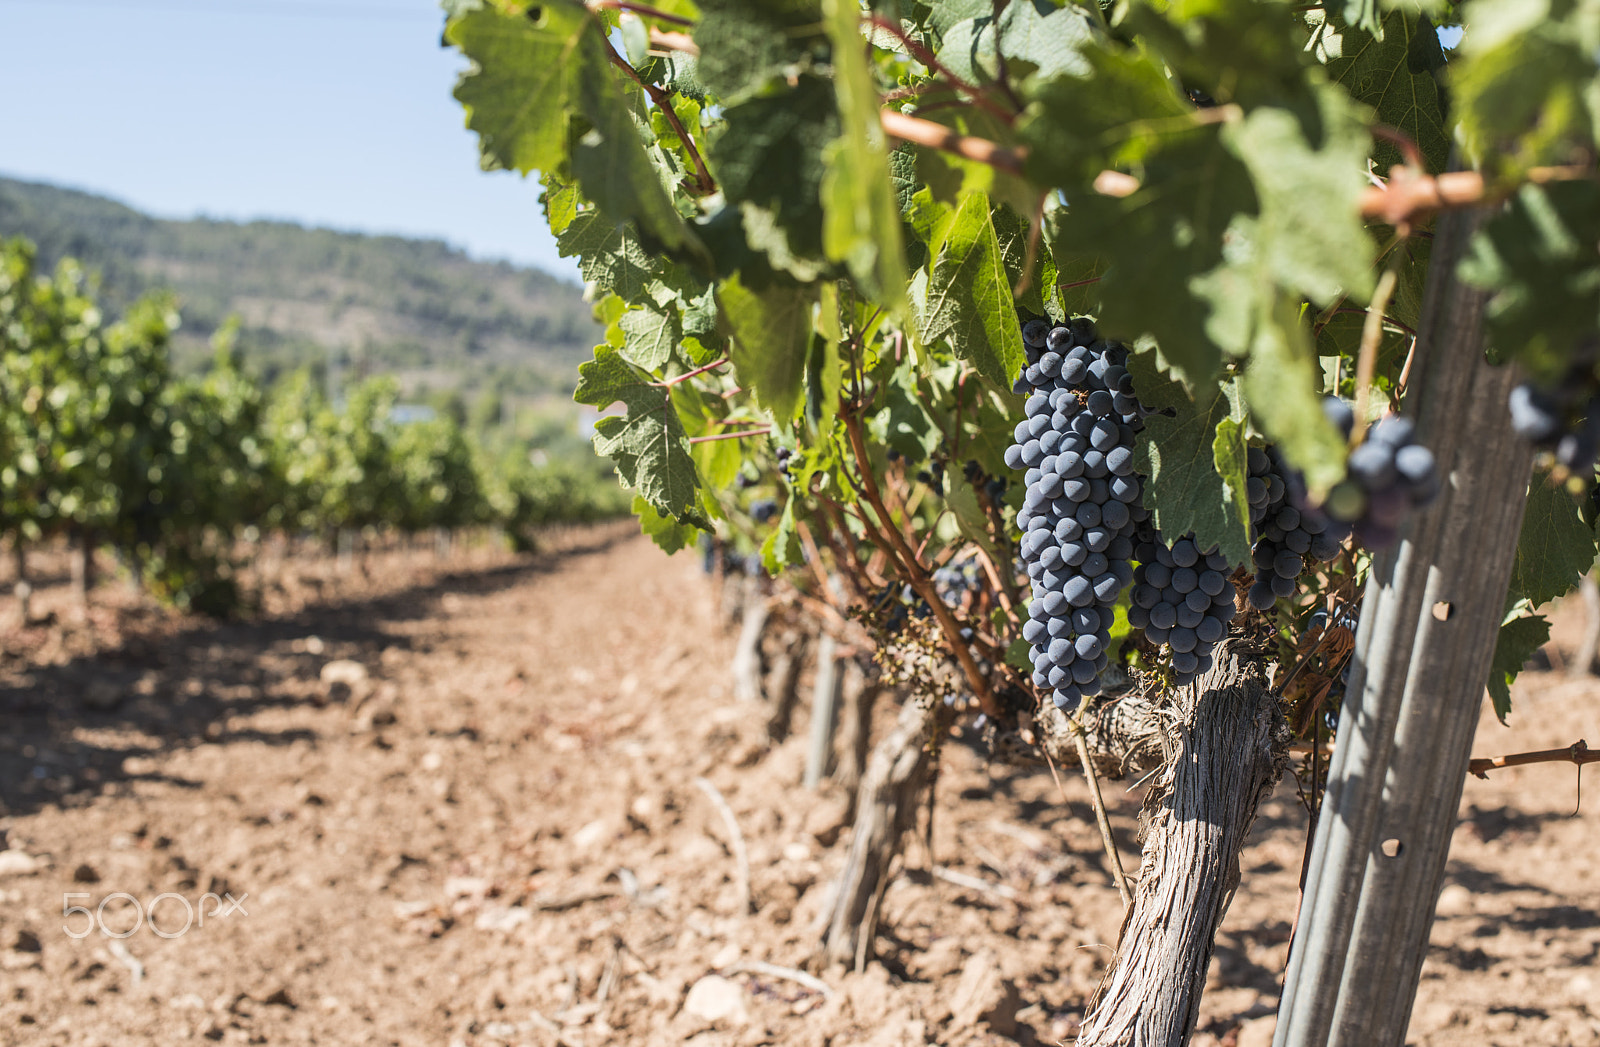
(1390, 474)
(1565, 421)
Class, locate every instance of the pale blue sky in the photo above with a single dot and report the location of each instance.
(326, 112)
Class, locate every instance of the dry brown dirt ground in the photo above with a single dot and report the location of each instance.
(482, 826)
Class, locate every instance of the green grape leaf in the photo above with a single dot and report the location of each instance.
(1152, 382)
(930, 218)
(560, 200)
(1396, 73)
(665, 531)
(1522, 87)
(746, 44)
(1013, 231)
(988, 438)
(1019, 655)
(647, 444)
(650, 337)
(771, 330)
(969, 298)
(903, 173)
(1115, 115)
(516, 93)
(950, 178)
(700, 314)
(768, 159)
(635, 40)
(1517, 641)
(718, 462)
(1555, 547)
(1309, 236)
(1229, 453)
(611, 256)
(609, 160)
(1033, 37)
(1159, 244)
(861, 227)
(824, 378)
(903, 423)
(962, 501)
(1183, 485)
(1363, 14)
(1077, 284)
(1283, 386)
(529, 75)
(1538, 255)
(1241, 53)
(782, 547)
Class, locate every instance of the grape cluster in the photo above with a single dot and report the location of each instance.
(1082, 500)
(1289, 533)
(1566, 422)
(953, 582)
(785, 461)
(1390, 474)
(1182, 597)
(763, 509)
(713, 552)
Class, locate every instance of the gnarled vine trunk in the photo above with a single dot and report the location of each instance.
(747, 660)
(1226, 749)
(857, 695)
(886, 807)
(22, 589)
(783, 683)
(82, 566)
(1221, 744)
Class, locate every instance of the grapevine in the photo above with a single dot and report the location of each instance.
(1122, 267)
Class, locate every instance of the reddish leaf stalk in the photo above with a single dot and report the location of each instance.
(712, 366)
(735, 435)
(1578, 753)
(638, 9)
(843, 542)
(1404, 142)
(1406, 194)
(927, 58)
(937, 136)
(665, 41)
(918, 578)
(663, 102)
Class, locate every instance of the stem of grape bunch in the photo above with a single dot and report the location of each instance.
(915, 575)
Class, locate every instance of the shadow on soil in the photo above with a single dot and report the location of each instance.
(68, 731)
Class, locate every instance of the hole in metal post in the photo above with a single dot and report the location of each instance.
(1391, 848)
(1441, 610)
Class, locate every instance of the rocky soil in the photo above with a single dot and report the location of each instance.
(471, 803)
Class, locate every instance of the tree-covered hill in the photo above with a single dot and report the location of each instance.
(417, 308)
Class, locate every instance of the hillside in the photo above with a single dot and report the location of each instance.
(416, 308)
